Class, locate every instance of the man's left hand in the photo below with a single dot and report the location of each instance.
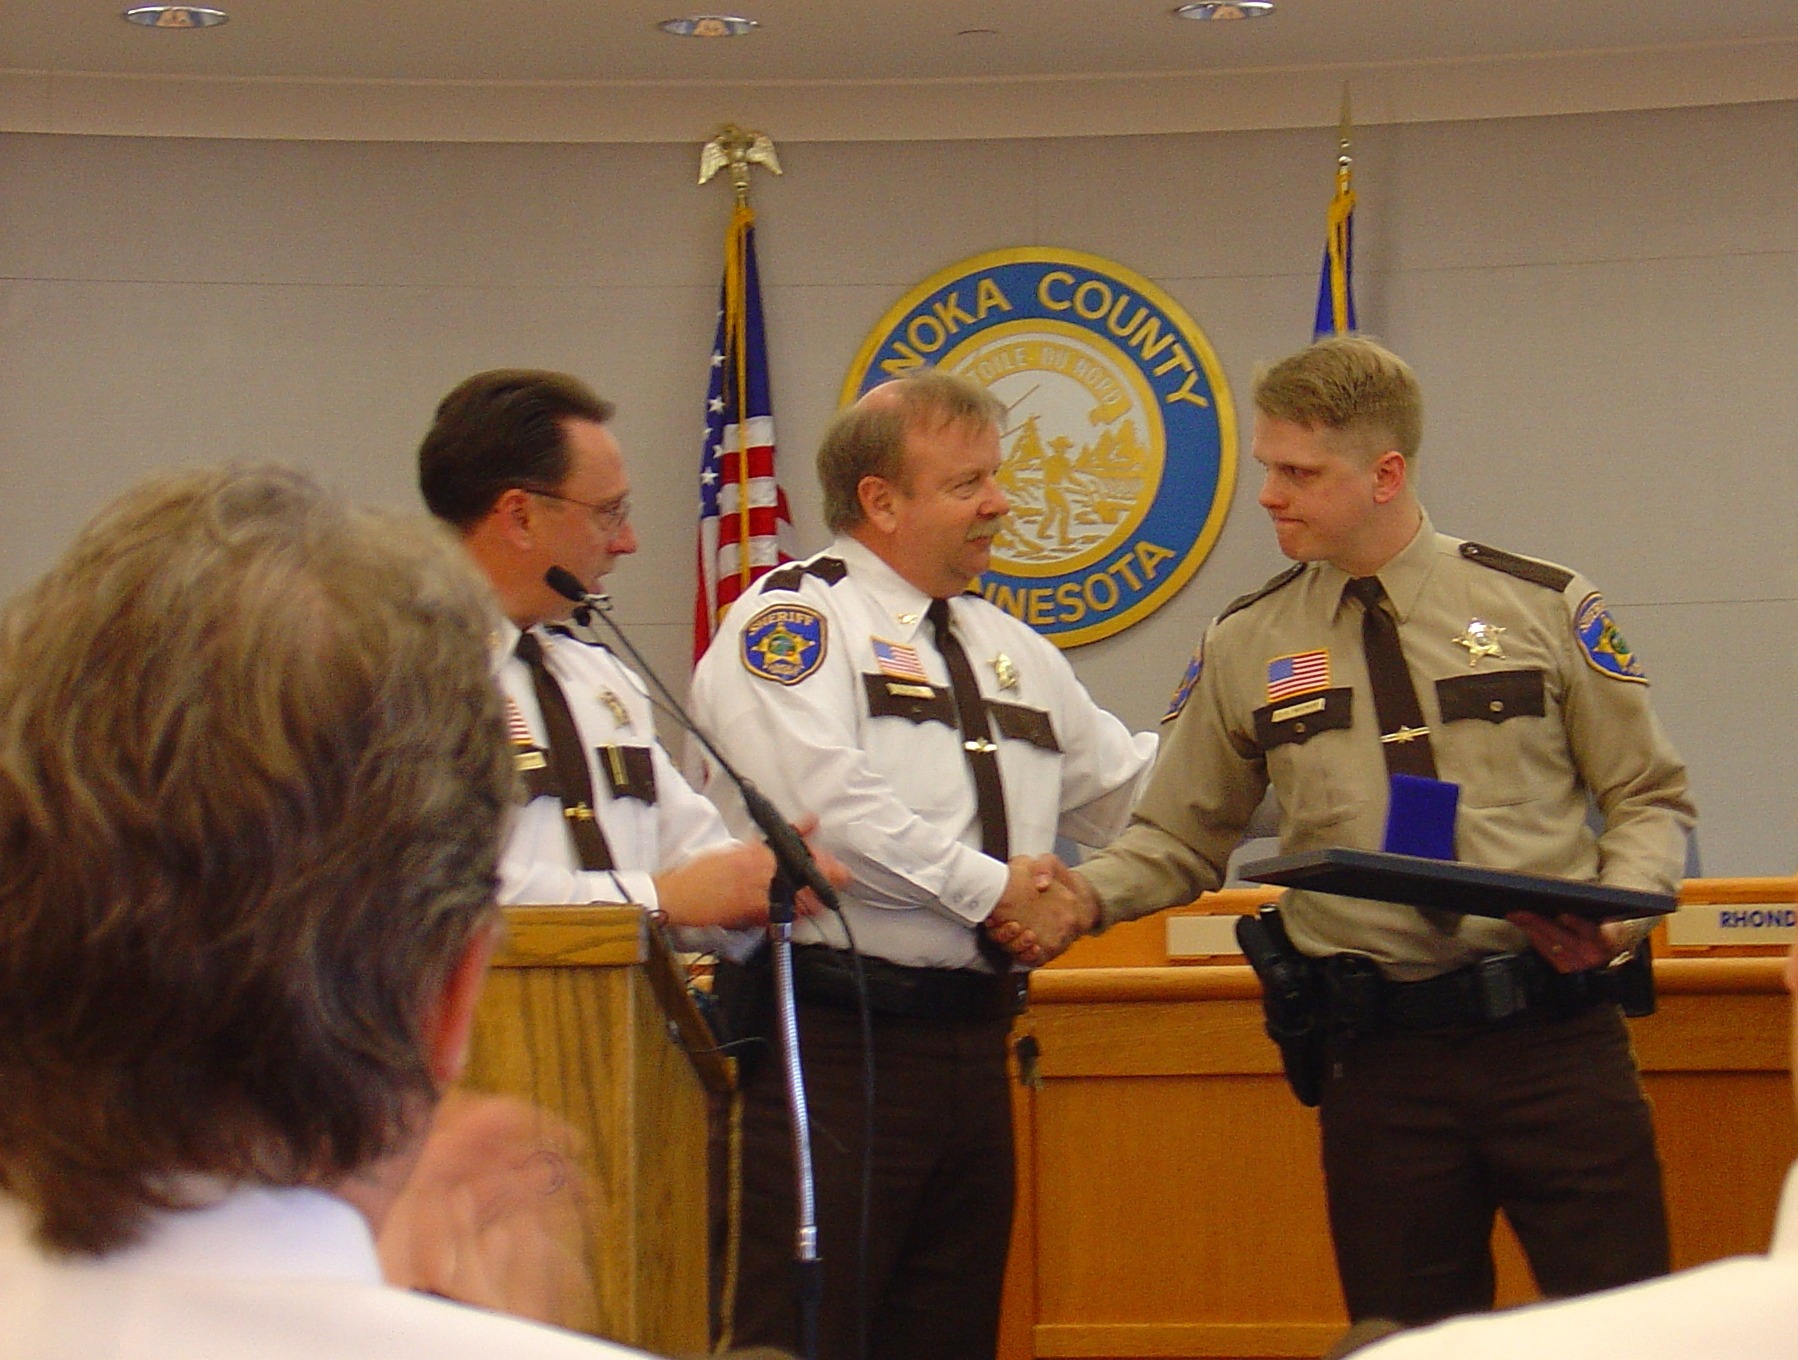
(1571, 944)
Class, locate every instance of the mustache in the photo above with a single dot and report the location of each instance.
(986, 529)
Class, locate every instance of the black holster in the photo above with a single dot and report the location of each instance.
(1289, 1000)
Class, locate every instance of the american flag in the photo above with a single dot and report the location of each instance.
(516, 727)
(741, 504)
(899, 661)
(1305, 673)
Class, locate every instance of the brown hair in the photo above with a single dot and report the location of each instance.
(253, 777)
(868, 439)
(500, 429)
(1351, 385)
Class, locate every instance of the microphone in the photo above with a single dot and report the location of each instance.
(789, 847)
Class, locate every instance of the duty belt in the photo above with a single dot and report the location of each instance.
(1497, 989)
(826, 976)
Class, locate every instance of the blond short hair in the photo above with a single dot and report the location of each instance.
(1351, 385)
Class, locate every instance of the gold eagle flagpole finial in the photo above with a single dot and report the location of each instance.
(738, 149)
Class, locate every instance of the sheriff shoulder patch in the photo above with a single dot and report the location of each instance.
(1602, 642)
(1183, 691)
(784, 643)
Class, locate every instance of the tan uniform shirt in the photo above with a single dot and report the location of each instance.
(1525, 730)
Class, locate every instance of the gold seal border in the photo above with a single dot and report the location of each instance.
(1206, 539)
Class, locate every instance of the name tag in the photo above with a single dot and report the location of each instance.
(1298, 710)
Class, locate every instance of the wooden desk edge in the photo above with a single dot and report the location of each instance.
(1226, 982)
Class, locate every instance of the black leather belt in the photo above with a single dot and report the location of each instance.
(1498, 989)
(826, 977)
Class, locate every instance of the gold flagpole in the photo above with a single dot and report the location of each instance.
(1340, 208)
(737, 149)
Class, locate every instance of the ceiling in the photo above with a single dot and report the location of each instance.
(58, 55)
(840, 40)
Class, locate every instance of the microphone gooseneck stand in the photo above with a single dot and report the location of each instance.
(797, 869)
(808, 1266)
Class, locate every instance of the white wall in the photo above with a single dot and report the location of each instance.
(1603, 307)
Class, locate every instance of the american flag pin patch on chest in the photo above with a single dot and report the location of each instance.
(899, 661)
(1300, 673)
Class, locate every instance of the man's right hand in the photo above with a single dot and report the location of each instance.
(1042, 910)
(723, 887)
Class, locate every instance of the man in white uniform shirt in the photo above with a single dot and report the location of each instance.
(943, 745)
(253, 776)
(521, 463)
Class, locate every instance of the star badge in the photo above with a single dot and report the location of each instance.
(1007, 673)
(615, 706)
(1481, 639)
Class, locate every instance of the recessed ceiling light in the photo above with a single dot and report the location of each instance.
(708, 26)
(175, 16)
(1238, 9)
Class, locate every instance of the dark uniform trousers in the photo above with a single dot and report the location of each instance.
(1427, 1133)
(943, 1187)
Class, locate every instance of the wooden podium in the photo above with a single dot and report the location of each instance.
(586, 1014)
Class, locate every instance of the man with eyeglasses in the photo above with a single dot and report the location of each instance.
(521, 464)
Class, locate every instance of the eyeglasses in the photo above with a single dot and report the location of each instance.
(607, 518)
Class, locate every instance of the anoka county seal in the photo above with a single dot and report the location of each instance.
(1120, 443)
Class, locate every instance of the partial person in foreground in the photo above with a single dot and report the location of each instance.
(943, 745)
(253, 776)
(1745, 1308)
(1461, 1064)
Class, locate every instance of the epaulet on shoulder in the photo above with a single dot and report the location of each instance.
(585, 639)
(827, 569)
(1285, 578)
(1524, 568)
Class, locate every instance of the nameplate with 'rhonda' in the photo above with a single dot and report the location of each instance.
(1119, 442)
(1737, 923)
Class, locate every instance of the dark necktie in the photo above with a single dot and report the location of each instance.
(1403, 736)
(567, 757)
(976, 735)
(983, 760)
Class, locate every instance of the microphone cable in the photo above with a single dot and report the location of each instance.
(796, 859)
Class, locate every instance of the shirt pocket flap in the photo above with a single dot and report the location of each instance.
(1493, 696)
(631, 772)
(1303, 716)
(1024, 724)
(918, 703)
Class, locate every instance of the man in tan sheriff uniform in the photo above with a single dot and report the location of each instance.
(1473, 1064)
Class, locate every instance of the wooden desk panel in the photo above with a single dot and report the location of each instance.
(585, 1015)
(1171, 1200)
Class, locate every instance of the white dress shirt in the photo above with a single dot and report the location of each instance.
(264, 1274)
(894, 796)
(610, 707)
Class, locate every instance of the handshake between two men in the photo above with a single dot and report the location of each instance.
(1045, 907)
